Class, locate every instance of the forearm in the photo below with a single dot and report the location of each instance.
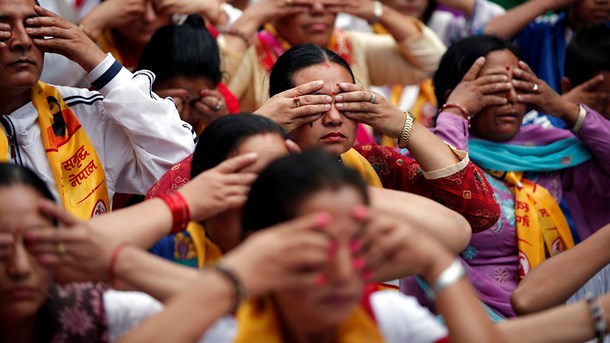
(461, 309)
(401, 27)
(142, 270)
(245, 27)
(546, 285)
(515, 20)
(210, 291)
(447, 226)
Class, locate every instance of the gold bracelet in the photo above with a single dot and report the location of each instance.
(406, 130)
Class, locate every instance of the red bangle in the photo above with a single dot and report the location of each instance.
(113, 260)
(180, 210)
(462, 110)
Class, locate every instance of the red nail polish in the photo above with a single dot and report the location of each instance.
(323, 219)
(360, 212)
(333, 93)
(358, 263)
(355, 245)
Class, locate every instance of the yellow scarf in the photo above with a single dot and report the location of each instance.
(539, 222)
(78, 172)
(207, 251)
(353, 159)
(3, 148)
(258, 323)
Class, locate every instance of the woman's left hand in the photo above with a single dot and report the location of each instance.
(73, 244)
(538, 95)
(371, 108)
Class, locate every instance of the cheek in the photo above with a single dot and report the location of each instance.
(305, 135)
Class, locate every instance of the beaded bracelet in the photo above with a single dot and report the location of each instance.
(403, 140)
(113, 260)
(240, 291)
(460, 108)
(599, 320)
(180, 210)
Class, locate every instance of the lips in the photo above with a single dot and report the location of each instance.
(21, 61)
(334, 137)
(21, 293)
(317, 27)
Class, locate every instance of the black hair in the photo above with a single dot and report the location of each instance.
(588, 54)
(187, 50)
(460, 56)
(224, 135)
(297, 58)
(279, 190)
(12, 174)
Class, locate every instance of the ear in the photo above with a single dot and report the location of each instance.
(566, 85)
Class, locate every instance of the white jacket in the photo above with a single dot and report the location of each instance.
(136, 135)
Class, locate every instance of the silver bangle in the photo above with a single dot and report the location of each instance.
(448, 277)
(582, 114)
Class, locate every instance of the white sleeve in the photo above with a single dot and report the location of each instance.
(144, 135)
(401, 319)
(125, 310)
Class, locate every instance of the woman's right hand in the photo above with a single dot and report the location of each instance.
(113, 13)
(296, 106)
(287, 255)
(477, 92)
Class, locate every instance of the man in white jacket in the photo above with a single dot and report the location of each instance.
(86, 145)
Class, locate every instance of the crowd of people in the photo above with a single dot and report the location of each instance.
(304, 171)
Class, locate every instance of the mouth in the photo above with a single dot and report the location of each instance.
(21, 62)
(317, 27)
(334, 137)
(21, 293)
(339, 300)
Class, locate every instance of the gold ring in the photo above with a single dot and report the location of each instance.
(61, 250)
(535, 88)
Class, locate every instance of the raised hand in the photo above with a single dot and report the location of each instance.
(296, 106)
(5, 34)
(290, 254)
(477, 92)
(586, 93)
(52, 33)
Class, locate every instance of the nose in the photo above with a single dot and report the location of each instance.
(511, 95)
(333, 117)
(20, 264)
(317, 7)
(20, 40)
(341, 268)
(149, 13)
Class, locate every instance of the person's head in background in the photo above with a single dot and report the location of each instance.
(228, 137)
(584, 13)
(24, 282)
(313, 25)
(333, 132)
(138, 32)
(186, 61)
(587, 56)
(498, 122)
(300, 184)
(420, 9)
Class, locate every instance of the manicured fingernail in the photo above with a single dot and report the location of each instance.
(326, 107)
(358, 263)
(360, 212)
(328, 98)
(321, 280)
(339, 97)
(355, 245)
(323, 219)
(319, 83)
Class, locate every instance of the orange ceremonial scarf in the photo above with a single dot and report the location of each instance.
(258, 322)
(78, 172)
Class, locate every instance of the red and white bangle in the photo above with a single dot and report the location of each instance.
(181, 214)
(460, 108)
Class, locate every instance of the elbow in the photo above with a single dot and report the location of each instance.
(521, 301)
(463, 233)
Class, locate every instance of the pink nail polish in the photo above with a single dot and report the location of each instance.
(323, 219)
(360, 212)
(355, 245)
(358, 263)
(320, 280)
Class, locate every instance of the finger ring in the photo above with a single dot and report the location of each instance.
(61, 250)
(218, 106)
(373, 97)
(297, 101)
(535, 88)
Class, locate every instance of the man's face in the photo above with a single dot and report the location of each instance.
(20, 60)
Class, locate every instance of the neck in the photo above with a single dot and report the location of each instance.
(297, 330)
(224, 230)
(12, 99)
(18, 331)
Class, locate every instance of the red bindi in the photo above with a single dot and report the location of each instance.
(327, 65)
(507, 68)
(333, 93)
